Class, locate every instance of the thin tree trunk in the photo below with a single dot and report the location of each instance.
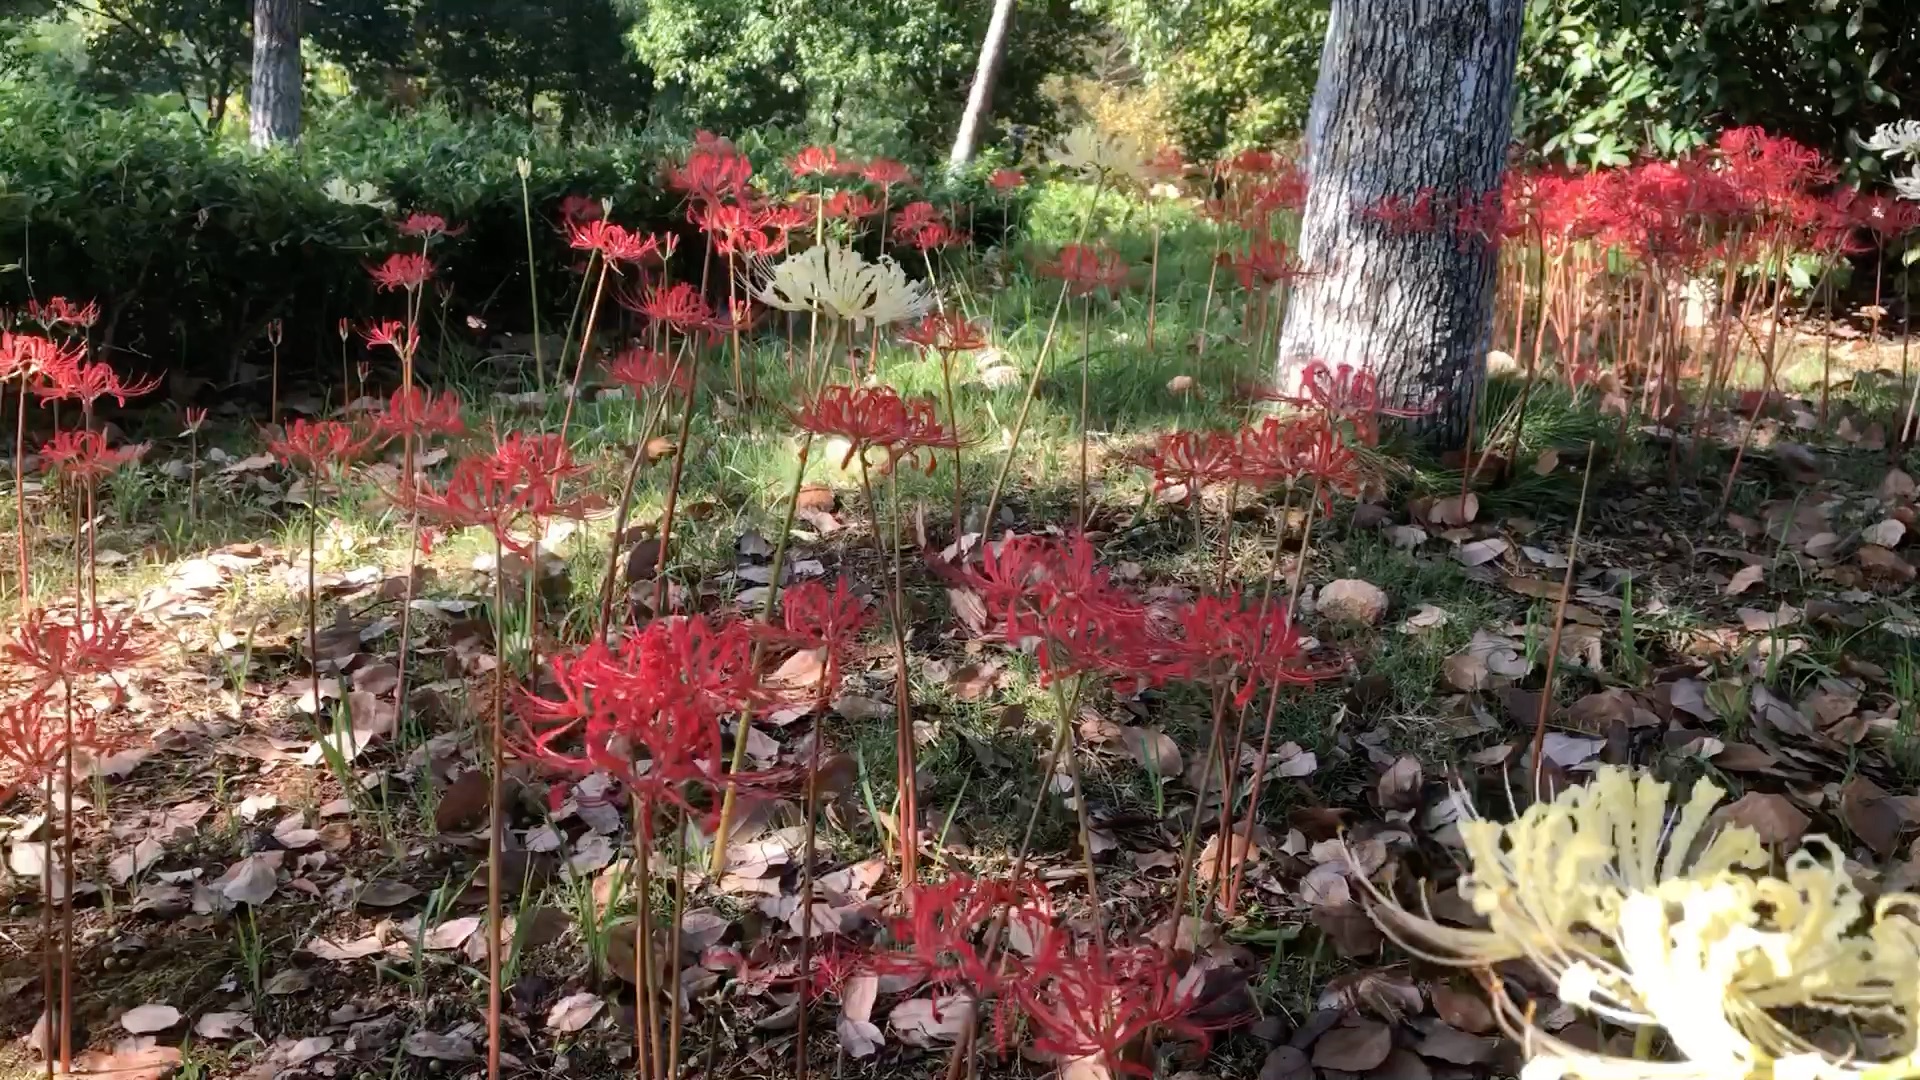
(1414, 96)
(993, 48)
(274, 100)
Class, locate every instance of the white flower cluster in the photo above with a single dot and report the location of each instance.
(1900, 139)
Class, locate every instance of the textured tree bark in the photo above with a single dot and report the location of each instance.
(1413, 95)
(993, 48)
(273, 100)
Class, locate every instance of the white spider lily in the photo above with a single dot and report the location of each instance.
(1908, 186)
(1901, 138)
(840, 283)
(1094, 154)
(350, 194)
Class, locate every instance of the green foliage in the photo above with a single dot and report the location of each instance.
(193, 244)
(509, 55)
(1603, 79)
(1239, 72)
(872, 74)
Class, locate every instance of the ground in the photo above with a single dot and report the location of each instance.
(325, 908)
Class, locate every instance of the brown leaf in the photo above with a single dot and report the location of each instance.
(817, 498)
(1356, 1048)
(147, 1019)
(464, 802)
(1884, 563)
(1745, 578)
(1402, 1065)
(1773, 817)
(1538, 588)
(138, 1058)
(859, 1036)
(924, 1021)
(385, 892)
(1874, 817)
(1455, 510)
(575, 1011)
(1286, 1063)
(1446, 1043)
(1154, 750)
(1399, 786)
(1481, 551)
(1464, 1009)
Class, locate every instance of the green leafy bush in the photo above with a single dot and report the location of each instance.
(193, 245)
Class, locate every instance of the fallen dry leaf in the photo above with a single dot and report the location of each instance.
(575, 1011)
(1481, 552)
(1745, 578)
(859, 1036)
(1356, 1048)
(1772, 817)
(147, 1019)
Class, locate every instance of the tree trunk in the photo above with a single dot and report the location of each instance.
(274, 98)
(993, 48)
(1413, 96)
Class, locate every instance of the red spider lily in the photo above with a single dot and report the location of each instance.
(617, 244)
(913, 217)
(738, 229)
(1274, 451)
(680, 306)
(345, 328)
(1190, 459)
(33, 743)
(851, 206)
(816, 617)
(196, 416)
(427, 226)
(402, 270)
(1087, 269)
(1835, 224)
(1346, 393)
(642, 369)
(876, 417)
(649, 712)
(317, 445)
(937, 235)
(1265, 261)
(1055, 593)
(1251, 161)
(1326, 459)
(943, 924)
(714, 170)
(1770, 172)
(518, 480)
(421, 413)
(1218, 637)
(60, 311)
(1087, 1002)
(88, 383)
(1007, 181)
(84, 455)
(1888, 219)
(31, 354)
(393, 334)
(886, 172)
(784, 218)
(815, 161)
(944, 333)
(96, 645)
(579, 209)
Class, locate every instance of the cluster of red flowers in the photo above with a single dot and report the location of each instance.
(944, 333)
(617, 244)
(1055, 594)
(1079, 999)
(921, 225)
(648, 710)
(1087, 269)
(876, 418)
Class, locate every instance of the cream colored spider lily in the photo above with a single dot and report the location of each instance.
(1604, 892)
(840, 283)
(1549, 883)
(1094, 154)
(1907, 187)
(1901, 138)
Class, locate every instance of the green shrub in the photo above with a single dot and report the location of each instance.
(193, 245)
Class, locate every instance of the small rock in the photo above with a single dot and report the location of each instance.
(1351, 600)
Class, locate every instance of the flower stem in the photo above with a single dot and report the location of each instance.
(906, 830)
(1559, 620)
(673, 484)
(533, 287)
(496, 816)
(586, 346)
(1039, 366)
(626, 504)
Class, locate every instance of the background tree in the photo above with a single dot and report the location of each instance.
(1410, 99)
(880, 74)
(509, 56)
(993, 48)
(273, 102)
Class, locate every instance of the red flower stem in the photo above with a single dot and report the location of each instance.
(906, 831)
(20, 497)
(313, 616)
(828, 682)
(1188, 850)
(1033, 381)
(626, 505)
(1266, 730)
(573, 319)
(1153, 271)
(66, 898)
(53, 1016)
(953, 423)
(1086, 378)
(533, 287)
(586, 345)
(1069, 708)
(673, 946)
(673, 483)
(778, 569)
(644, 998)
(1213, 274)
(273, 401)
(1559, 621)
(739, 380)
(496, 796)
